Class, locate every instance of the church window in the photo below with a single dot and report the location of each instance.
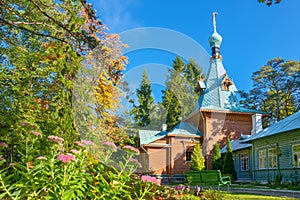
(188, 155)
(226, 84)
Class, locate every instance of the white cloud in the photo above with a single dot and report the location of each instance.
(116, 14)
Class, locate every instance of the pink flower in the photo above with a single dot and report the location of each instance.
(110, 144)
(79, 143)
(132, 149)
(36, 133)
(75, 151)
(87, 142)
(28, 124)
(136, 162)
(53, 138)
(65, 158)
(83, 143)
(41, 158)
(3, 144)
(150, 179)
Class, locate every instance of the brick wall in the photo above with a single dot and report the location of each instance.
(219, 126)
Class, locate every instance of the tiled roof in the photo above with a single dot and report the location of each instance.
(290, 123)
(237, 145)
(182, 129)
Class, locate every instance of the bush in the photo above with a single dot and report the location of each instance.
(64, 173)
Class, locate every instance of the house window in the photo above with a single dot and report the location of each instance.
(262, 159)
(296, 155)
(244, 162)
(188, 156)
(272, 158)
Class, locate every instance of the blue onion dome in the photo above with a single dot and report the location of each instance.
(215, 39)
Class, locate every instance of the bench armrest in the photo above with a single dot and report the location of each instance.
(226, 179)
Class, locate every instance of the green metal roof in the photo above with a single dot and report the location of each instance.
(148, 136)
(182, 129)
(237, 144)
(290, 123)
(214, 97)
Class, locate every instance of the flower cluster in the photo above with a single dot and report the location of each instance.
(36, 133)
(74, 151)
(53, 138)
(110, 144)
(150, 179)
(65, 158)
(28, 124)
(136, 162)
(132, 149)
(83, 143)
(3, 144)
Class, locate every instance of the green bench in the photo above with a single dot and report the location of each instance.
(207, 178)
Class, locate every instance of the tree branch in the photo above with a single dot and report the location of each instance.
(28, 30)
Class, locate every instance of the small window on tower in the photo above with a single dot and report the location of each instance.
(226, 84)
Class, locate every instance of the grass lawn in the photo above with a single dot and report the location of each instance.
(236, 196)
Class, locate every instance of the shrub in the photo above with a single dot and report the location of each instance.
(216, 158)
(197, 159)
(228, 167)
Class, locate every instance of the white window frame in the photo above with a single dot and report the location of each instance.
(262, 157)
(244, 162)
(272, 158)
(293, 157)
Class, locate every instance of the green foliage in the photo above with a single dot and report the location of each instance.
(197, 159)
(181, 96)
(213, 195)
(269, 2)
(275, 89)
(141, 112)
(228, 164)
(216, 158)
(63, 173)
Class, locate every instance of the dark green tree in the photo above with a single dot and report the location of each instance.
(141, 112)
(216, 158)
(197, 159)
(228, 164)
(275, 88)
(180, 97)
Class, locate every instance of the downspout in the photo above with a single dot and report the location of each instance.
(148, 164)
(204, 133)
(253, 161)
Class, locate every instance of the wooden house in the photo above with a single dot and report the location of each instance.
(276, 151)
(242, 156)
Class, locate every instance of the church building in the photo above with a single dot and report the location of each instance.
(219, 115)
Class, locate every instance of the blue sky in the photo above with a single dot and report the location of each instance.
(252, 32)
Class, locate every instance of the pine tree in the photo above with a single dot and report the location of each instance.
(197, 159)
(228, 167)
(144, 93)
(216, 158)
(180, 97)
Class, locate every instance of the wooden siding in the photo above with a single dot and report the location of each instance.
(284, 162)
